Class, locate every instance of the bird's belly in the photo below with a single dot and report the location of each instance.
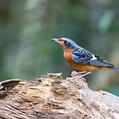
(82, 67)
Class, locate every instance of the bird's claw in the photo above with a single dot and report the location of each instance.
(80, 74)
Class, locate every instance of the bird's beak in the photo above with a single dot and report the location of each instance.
(56, 40)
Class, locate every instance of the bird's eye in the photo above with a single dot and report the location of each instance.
(65, 41)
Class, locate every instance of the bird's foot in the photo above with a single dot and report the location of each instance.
(85, 74)
(80, 74)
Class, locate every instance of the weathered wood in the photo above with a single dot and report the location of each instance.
(51, 97)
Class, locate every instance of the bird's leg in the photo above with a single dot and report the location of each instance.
(81, 74)
(86, 73)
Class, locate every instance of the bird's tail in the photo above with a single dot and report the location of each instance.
(115, 69)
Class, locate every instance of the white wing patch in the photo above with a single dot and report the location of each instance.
(93, 58)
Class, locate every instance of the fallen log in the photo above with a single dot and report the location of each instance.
(51, 97)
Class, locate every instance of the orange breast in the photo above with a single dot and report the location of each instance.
(70, 60)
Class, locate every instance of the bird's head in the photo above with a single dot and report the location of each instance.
(66, 43)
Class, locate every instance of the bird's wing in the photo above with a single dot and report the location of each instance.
(83, 56)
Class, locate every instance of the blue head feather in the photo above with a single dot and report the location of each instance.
(71, 42)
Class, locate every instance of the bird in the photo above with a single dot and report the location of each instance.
(81, 59)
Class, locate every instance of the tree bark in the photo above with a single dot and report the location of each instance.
(51, 97)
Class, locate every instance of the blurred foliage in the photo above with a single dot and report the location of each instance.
(27, 27)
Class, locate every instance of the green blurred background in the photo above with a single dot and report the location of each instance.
(27, 27)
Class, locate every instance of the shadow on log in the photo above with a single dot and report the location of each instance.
(51, 97)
